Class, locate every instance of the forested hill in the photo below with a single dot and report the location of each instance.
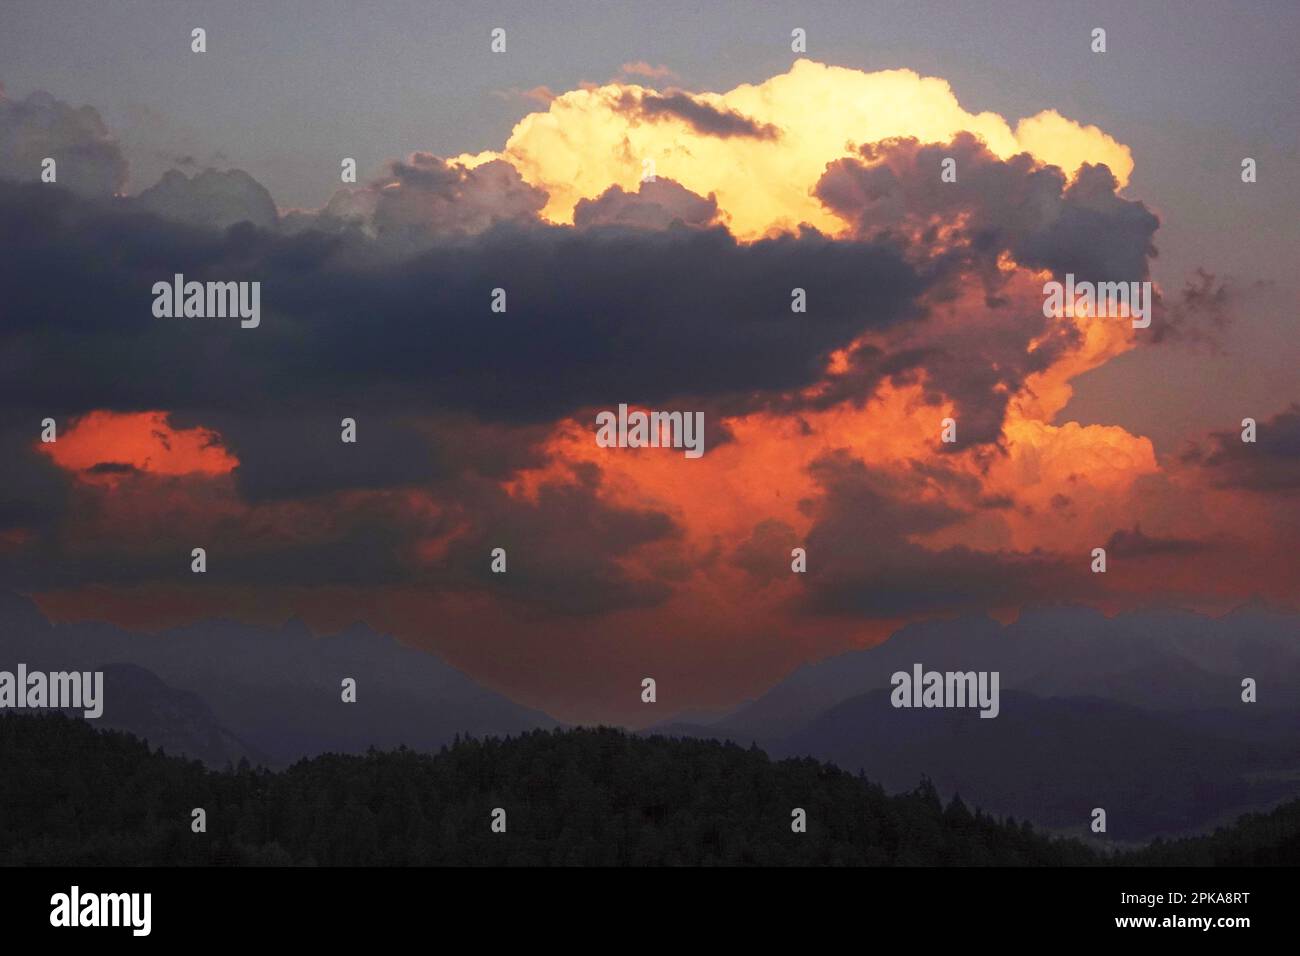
(72, 795)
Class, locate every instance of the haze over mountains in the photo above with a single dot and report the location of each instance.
(1159, 660)
(272, 696)
(1140, 714)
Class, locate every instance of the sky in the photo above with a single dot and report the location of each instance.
(522, 170)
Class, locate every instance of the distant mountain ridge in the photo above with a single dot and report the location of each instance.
(271, 695)
(1156, 660)
(1140, 714)
(178, 721)
(1053, 760)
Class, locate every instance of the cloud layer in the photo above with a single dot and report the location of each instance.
(922, 301)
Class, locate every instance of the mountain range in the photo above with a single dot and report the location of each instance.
(1140, 714)
(220, 690)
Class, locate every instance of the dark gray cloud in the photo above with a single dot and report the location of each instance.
(1205, 307)
(592, 318)
(977, 365)
(33, 490)
(1010, 205)
(1270, 464)
(297, 452)
(562, 546)
(862, 560)
(702, 116)
(765, 554)
(1136, 544)
(562, 550)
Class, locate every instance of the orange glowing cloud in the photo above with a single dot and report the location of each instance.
(141, 441)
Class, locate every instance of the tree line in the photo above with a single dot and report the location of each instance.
(73, 795)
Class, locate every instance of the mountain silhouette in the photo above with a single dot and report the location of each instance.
(1156, 660)
(1141, 713)
(1053, 760)
(273, 695)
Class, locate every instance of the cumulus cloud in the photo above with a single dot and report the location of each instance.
(88, 159)
(655, 205)
(1014, 206)
(211, 199)
(988, 235)
(760, 148)
(423, 200)
(425, 196)
(475, 428)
